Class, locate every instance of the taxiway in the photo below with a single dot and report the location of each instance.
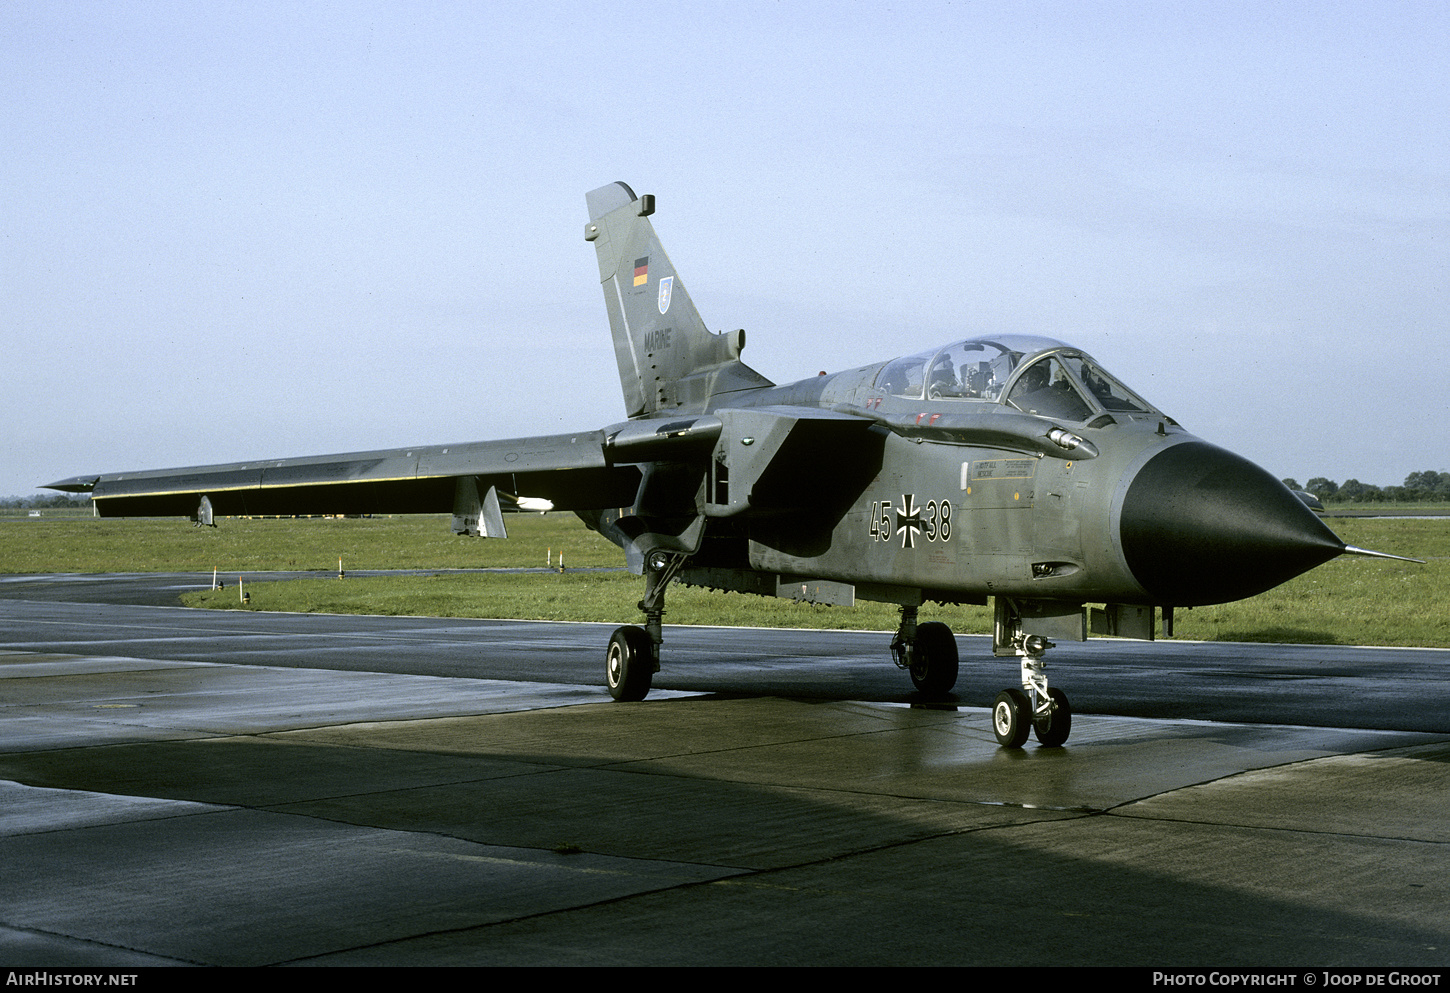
(183, 787)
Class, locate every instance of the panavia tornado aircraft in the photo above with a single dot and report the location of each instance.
(1006, 466)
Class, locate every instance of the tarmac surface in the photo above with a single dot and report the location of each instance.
(184, 787)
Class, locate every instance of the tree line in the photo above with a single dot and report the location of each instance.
(43, 502)
(1419, 487)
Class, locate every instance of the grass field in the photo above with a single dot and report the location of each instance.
(61, 512)
(1346, 601)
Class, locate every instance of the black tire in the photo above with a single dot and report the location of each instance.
(1011, 718)
(629, 664)
(934, 659)
(1053, 729)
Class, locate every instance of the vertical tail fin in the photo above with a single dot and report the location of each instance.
(668, 359)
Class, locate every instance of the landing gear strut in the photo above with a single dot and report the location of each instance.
(634, 652)
(1036, 707)
(927, 651)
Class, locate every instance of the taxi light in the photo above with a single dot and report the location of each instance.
(1070, 442)
(1064, 439)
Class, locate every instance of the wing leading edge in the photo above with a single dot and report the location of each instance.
(568, 470)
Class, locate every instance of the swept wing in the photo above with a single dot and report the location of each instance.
(568, 470)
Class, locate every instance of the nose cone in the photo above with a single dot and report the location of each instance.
(1200, 525)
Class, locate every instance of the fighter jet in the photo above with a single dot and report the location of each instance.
(1009, 467)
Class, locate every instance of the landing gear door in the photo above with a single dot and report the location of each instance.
(1015, 620)
(1121, 620)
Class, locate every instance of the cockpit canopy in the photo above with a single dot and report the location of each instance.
(1035, 375)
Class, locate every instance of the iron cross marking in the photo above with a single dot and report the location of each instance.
(908, 520)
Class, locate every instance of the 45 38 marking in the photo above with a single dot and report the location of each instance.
(905, 520)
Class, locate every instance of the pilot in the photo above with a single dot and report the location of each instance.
(943, 380)
(1034, 379)
(1096, 386)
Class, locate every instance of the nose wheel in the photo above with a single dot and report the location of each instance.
(1053, 723)
(1011, 718)
(1015, 715)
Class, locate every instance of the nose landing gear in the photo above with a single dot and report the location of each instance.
(1036, 707)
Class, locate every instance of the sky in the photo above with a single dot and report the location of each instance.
(266, 229)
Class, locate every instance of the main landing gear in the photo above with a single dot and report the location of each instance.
(1035, 708)
(927, 651)
(634, 652)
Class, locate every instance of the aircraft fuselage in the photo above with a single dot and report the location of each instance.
(1119, 507)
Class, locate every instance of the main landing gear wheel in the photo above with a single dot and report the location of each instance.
(1053, 727)
(1011, 718)
(630, 663)
(934, 662)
